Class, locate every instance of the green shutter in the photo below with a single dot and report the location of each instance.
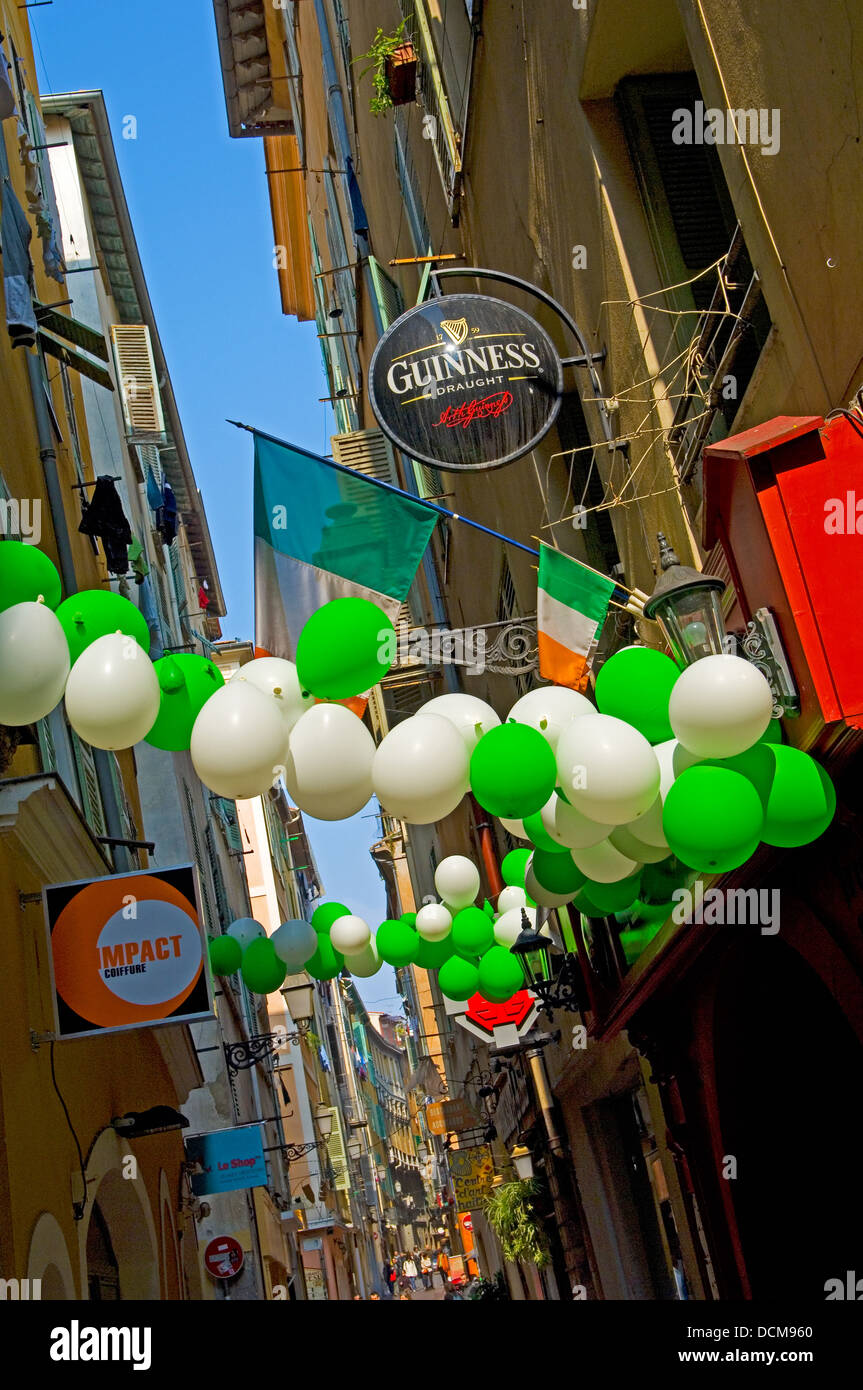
(47, 751)
(389, 297)
(91, 800)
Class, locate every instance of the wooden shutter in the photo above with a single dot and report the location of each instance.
(47, 751)
(338, 1152)
(136, 373)
(88, 782)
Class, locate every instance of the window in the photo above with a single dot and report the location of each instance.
(409, 184)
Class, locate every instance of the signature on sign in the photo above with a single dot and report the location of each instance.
(469, 411)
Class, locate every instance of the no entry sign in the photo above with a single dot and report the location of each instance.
(223, 1257)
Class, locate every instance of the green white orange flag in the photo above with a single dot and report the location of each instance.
(321, 534)
(572, 602)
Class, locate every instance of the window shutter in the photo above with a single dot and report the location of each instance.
(209, 915)
(227, 813)
(389, 297)
(136, 373)
(337, 1152)
(89, 784)
(222, 907)
(47, 751)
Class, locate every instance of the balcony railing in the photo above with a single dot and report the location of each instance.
(438, 124)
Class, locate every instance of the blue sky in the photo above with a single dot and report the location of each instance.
(198, 201)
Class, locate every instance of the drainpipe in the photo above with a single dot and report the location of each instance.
(122, 857)
(335, 105)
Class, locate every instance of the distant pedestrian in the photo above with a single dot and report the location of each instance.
(426, 1268)
(374, 1294)
(405, 1295)
(410, 1271)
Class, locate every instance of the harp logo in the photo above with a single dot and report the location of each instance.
(456, 329)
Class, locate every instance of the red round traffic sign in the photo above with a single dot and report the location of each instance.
(223, 1257)
(467, 1222)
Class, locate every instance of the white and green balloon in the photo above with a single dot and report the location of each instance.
(328, 765)
(35, 663)
(294, 943)
(238, 742)
(420, 770)
(113, 693)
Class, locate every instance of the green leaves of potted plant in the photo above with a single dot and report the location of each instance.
(511, 1214)
(393, 60)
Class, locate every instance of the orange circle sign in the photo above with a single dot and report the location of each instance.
(126, 950)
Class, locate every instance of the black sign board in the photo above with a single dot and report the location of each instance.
(465, 382)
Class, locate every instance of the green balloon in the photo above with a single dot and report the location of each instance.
(514, 867)
(773, 733)
(327, 962)
(94, 613)
(324, 916)
(187, 681)
(512, 771)
(801, 801)
(261, 969)
(432, 954)
(487, 908)
(472, 931)
(345, 648)
(610, 897)
(636, 940)
(458, 978)
(25, 573)
(500, 975)
(410, 918)
(658, 881)
(540, 837)
(557, 872)
(640, 911)
(226, 955)
(397, 943)
(635, 684)
(713, 818)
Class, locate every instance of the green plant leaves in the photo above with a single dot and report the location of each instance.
(511, 1215)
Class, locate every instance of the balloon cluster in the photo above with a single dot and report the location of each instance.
(467, 945)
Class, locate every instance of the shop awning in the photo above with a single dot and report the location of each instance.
(287, 191)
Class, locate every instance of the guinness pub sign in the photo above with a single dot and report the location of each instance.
(465, 382)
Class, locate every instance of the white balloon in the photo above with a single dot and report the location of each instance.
(245, 929)
(434, 922)
(607, 769)
(34, 663)
(541, 895)
(648, 827)
(238, 743)
(328, 768)
(350, 935)
(569, 827)
(515, 828)
(625, 840)
(604, 863)
(113, 693)
(511, 897)
(457, 880)
(420, 770)
(549, 710)
(720, 706)
(274, 676)
(366, 962)
(295, 942)
(470, 715)
(509, 925)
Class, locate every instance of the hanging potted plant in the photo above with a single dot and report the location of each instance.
(512, 1216)
(393, 60)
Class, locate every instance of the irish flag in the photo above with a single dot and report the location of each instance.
(321, 534)
(572, 602)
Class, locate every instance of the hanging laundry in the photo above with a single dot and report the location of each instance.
(203, 601)
(47, 217)
(104, 518)
(166, 516)
(15, 235)
(138, 561)
(154, 492)
(7, 95)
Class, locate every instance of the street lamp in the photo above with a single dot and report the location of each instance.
(300, 1000)
(556, 986)
(355, 1148)
(324, 1120)
(686, 604)
(523, 1162)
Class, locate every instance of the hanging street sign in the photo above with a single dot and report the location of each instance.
(226, 1160)
(223, 1257)
(465, 382)
(127, 951)
(451, 1117)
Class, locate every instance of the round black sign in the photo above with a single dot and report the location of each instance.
(465, 382)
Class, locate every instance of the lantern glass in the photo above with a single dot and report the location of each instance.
(523, 1162)
(355, 1148)
(324, 1119)
(692, 623)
